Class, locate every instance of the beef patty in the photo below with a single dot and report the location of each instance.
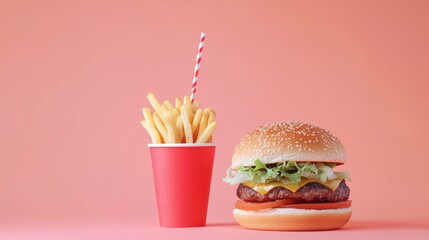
(311, 192)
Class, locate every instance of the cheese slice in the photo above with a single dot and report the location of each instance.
(263, 188)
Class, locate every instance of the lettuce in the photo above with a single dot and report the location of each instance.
(285, 172)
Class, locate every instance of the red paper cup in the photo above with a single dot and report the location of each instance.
(182, 174)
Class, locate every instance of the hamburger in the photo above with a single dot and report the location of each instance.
(286, 179)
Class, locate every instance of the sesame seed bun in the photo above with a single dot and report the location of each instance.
(288, 141)
(293, 219)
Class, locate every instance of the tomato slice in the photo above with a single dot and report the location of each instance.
(289, 203)
(319, 206)
(240, 204)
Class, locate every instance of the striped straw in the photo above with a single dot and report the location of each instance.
(197, 66)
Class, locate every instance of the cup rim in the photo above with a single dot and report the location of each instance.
(181, 145)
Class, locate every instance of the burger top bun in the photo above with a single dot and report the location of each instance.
(288, 141)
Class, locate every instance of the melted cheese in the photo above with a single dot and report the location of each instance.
(263, 188)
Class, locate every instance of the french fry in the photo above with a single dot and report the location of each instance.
(168, 123)
(154, 102)
(186, 124)
(168, 105)
(203, 122)
(212, 117)
(176, 114)
(163, 110)
(160, 127)
(179, 128)
(147, 114)
(195, 106)
(152, 132)
(208, 131)
(178, 103)
(186, 100)
(151, 125)
(196, 120)
(187, 103)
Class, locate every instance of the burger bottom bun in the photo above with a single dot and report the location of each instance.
(291, 219)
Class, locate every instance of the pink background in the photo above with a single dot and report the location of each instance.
(74, 76)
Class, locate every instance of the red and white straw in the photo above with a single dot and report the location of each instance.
(197, 66)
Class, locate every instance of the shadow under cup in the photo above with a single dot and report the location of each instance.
(182, 174)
